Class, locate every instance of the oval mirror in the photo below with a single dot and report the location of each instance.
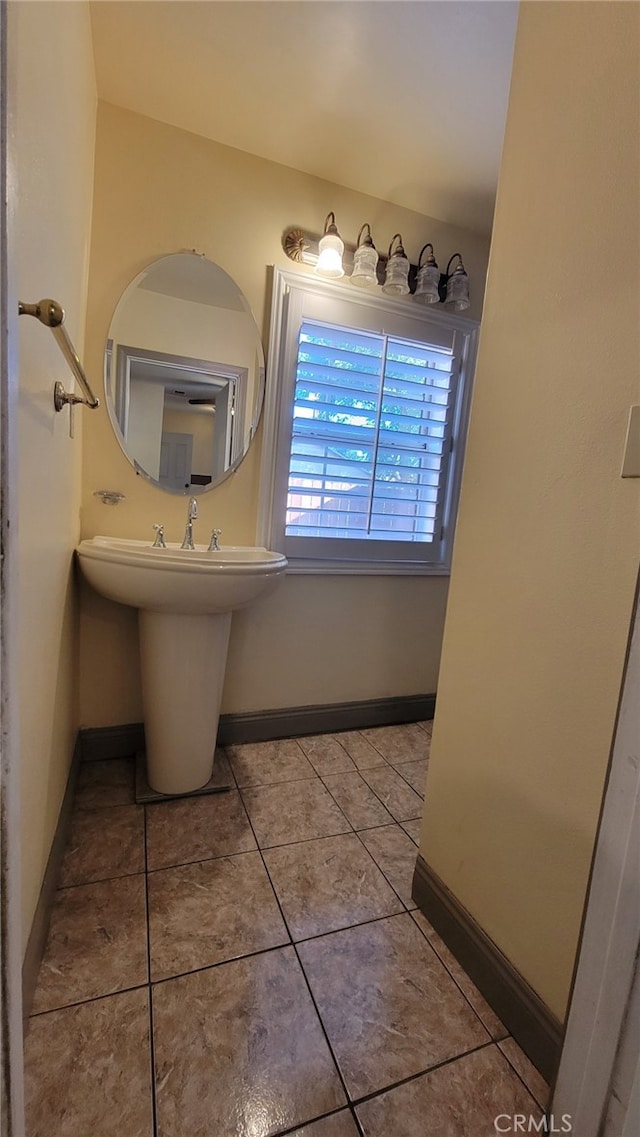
(184, 374)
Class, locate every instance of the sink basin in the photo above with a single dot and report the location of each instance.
(184, 581)
(184, 598)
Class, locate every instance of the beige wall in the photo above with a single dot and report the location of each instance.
(54, 91)
(548, 534)
(318, 639)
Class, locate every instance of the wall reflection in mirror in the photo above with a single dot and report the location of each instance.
(184, 374)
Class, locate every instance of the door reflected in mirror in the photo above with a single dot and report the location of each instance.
(184, 374)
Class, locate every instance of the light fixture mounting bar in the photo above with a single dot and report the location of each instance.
(301, 246)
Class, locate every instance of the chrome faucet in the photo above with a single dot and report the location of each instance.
(159, 542)
(192, 513)
(214, 543)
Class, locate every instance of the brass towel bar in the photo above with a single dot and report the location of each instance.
(51, 314)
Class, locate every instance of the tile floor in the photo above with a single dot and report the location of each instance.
(251, 963)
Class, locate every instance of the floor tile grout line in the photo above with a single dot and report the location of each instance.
(365, 783)
(278, 782)
(239, 852)
(224, 750)
(313, 1120)
(377, 748)
(152, 1053)
(356, 1120)
(358, 923)
(309, 759)
(385, 764)
(408, 762)
(100, 880)
(351, 927)
(216, 857)
(91, 998)
(266, 869)
(220, 963)
(374, 791)
(407, 782)
(304, 974)
(291, 942)
(421, 1073)
(354, 1102)
(351, 1103)
(452, 976)
(325, 734)
(402, 826)
(518, 1074)
(322, 1026)
(350, 828)
(386, 877)
(285, 781)
(203, 861)
(246, 955)
(151, 983)
(283, 845)
(388, 766)
(356, 770)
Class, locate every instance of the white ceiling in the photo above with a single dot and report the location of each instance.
(402, 99)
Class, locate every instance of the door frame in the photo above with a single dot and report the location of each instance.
(11, 1041)
(610, 941)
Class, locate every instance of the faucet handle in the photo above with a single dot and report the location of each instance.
(159, 542)
(214, 544)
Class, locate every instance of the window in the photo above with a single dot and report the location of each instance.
(366, 410)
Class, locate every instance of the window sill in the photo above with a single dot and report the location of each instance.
(299, 567)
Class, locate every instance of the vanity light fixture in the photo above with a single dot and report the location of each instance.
(330, 250)
(428, 278)
(457, 285)
(365, 261)
(396, 281)
(330, 257)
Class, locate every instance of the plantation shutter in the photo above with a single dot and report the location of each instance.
(372, 419)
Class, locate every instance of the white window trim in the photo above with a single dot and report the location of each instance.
(288, 290)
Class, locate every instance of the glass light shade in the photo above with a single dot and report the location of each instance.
(365, 262)
(330, 250)
(458, 290)
(396, 281)
(427, 282)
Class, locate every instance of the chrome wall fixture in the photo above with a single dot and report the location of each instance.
(109, 497)
(50, 313)
(331, 257)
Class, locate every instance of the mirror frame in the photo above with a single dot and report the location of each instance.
(112, 372)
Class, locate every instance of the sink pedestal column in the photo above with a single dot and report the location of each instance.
(182, 659)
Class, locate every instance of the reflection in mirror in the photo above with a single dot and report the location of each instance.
(184, 374)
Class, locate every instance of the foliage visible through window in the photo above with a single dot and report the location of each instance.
(365, 418)
(369, 446)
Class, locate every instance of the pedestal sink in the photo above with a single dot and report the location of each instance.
(185, 598)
